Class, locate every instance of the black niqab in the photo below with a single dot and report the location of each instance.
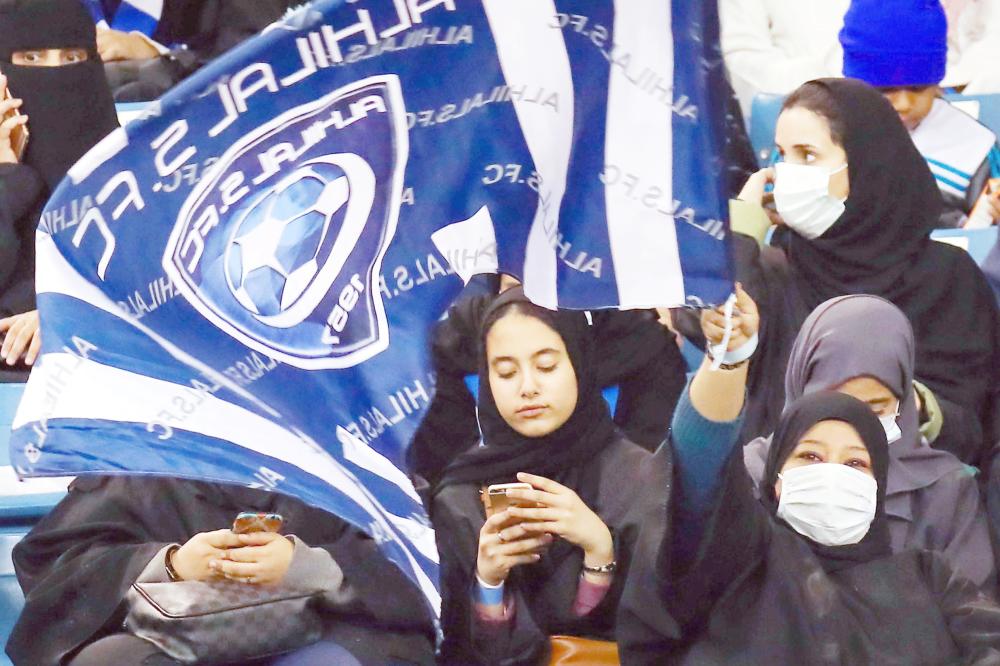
(798, 418)
(576, 443)
(70, 107)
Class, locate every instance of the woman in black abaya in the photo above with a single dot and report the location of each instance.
(806, 575)
(858, 204)
(77, 564)
(507, 585)
(48, 56)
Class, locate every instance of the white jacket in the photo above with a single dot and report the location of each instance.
(774, 46)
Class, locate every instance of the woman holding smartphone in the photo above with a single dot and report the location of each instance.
(554, 561)
(77, 565)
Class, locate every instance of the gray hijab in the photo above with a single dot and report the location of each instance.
(864, 336)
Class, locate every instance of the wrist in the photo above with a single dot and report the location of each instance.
(600, 553)
(490, 580)
(168, 563)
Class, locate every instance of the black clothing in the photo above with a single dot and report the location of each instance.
(70, 107)
(77, 564)
(757, 592)
(20, 203)
(586, 433)
(634, 352)
(587, 455)
(619, 483)
(196, 31)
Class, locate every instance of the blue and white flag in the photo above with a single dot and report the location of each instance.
(131, 16)
(239, 287)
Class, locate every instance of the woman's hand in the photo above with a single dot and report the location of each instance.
(7, 154)
(117, 45)
(753, 190)
(262, 558)
(192, 560)
(562, 513)
(746, 321)
(498, 554)
(21, 338)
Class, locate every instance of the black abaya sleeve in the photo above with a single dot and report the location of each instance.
(972, 617)
(457, 523)
(20, 195)
(75, 567)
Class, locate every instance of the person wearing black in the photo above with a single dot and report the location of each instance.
(189, 34)
(48, 55)
(77, 564)
(858, 203)
(805, 575)
(635, 352)
(555, 564)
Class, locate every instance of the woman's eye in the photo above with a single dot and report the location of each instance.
(810, 158)
(810, 456)
(506, 375)
(546, 368)
(857, 463)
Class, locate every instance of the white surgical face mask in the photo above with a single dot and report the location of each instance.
(892, 431)
(802, 197)
(831, 504)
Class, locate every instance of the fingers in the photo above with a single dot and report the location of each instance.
(246, 571)
(541, 483)
(223, 539)
(526, 513)
(7, 126)
(33, 348)
(7, 105)
(259, 538)
(246, 554)
(537, 496)
(524, 546)
(14, 342)
(745, 304)
(495, 522)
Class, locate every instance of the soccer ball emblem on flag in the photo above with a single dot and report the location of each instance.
(281, 244)
(276, 248)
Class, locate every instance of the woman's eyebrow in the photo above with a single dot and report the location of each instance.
(547, 350)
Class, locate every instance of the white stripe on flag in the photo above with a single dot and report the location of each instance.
(639, 147)
(533, 54)
(140, 399)
(152, 7)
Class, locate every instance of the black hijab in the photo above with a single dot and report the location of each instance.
(798, 418)
(881, 245)
(575, 444)
(70, 108)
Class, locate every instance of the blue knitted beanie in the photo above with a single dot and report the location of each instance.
(895, 42)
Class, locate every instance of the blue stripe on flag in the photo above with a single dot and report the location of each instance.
(699, 144)
(584, 201)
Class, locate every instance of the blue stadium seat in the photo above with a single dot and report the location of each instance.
(985, 108)
(977, 242)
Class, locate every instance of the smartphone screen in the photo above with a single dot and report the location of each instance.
(249, 521)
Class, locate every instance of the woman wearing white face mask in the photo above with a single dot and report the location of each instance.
(857, 204)
(863, 346)
(806, 574)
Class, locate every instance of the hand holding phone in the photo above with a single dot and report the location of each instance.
(250, 521)
(13, 126)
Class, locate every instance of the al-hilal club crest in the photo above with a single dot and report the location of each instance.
(281, 244)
